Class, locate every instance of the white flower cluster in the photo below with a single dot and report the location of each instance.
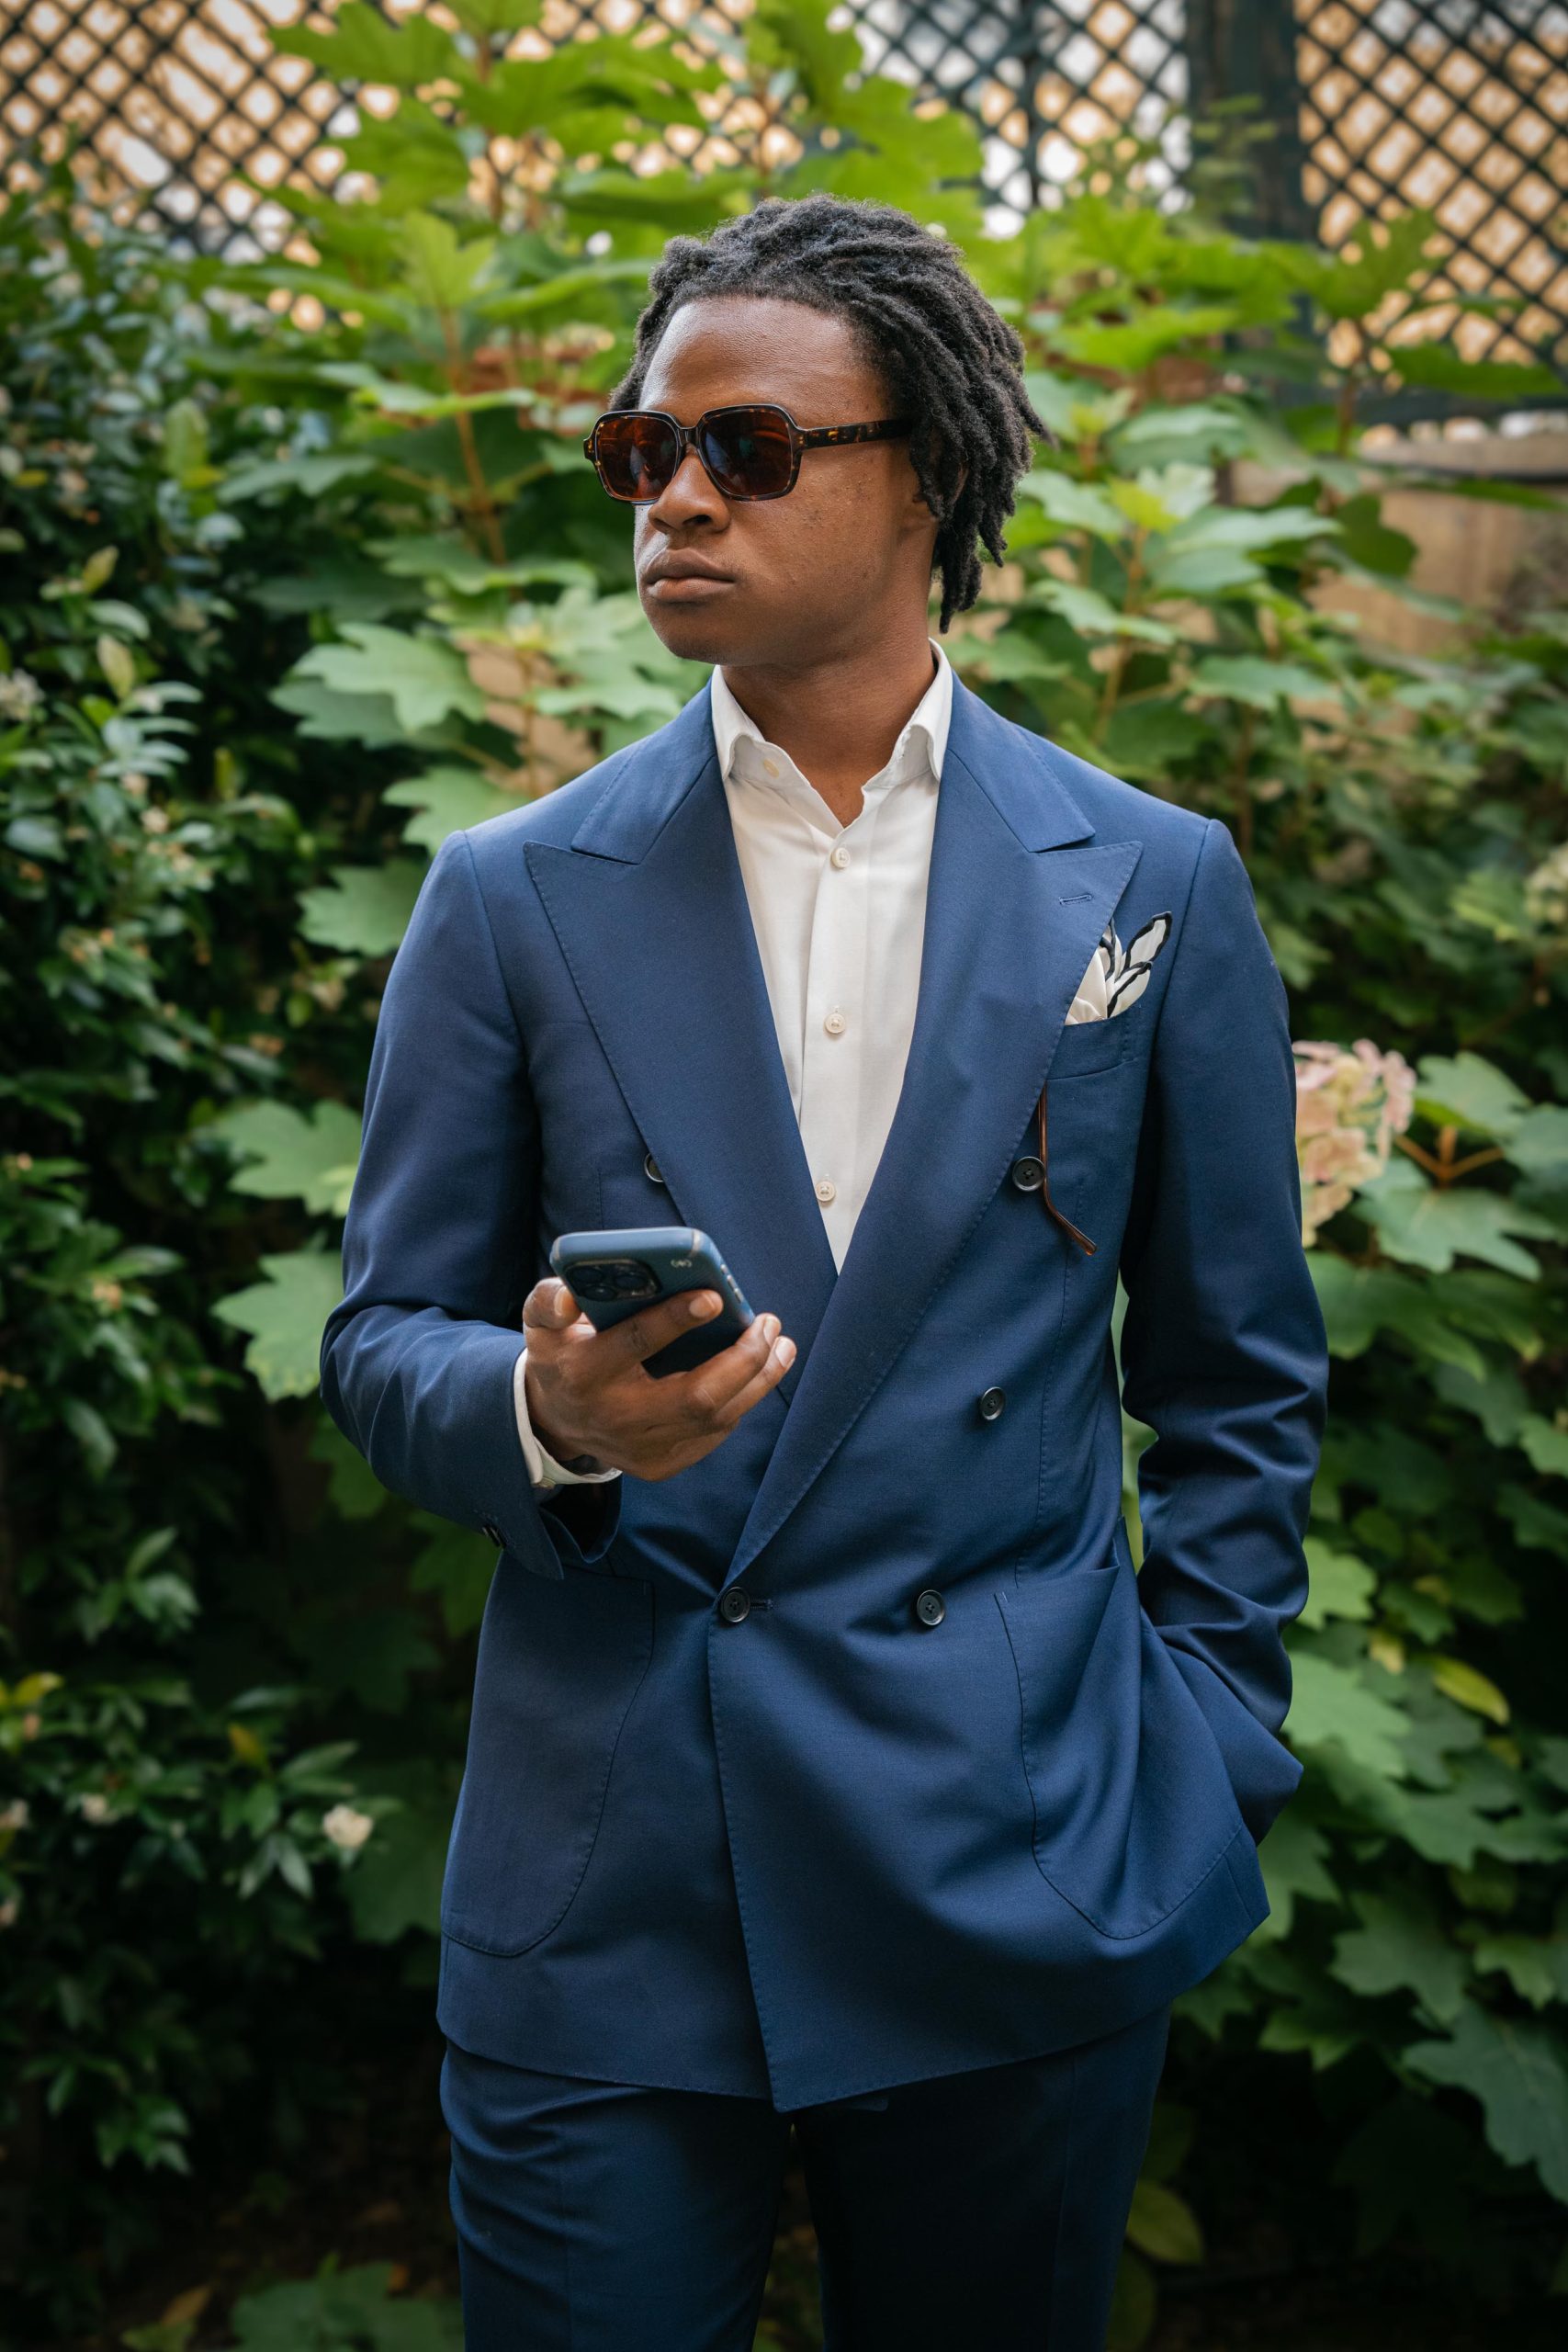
(21, 694)
(1546, 890)
(345, 1829)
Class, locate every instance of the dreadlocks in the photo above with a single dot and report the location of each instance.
(948, 360)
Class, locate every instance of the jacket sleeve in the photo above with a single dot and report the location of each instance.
(1223, 1354)
(417, 1360)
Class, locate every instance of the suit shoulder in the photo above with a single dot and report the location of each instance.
(553, 817)
(1116, 807)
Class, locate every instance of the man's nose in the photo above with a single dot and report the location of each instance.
(691, 491)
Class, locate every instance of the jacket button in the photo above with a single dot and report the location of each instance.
(991, 1405)
(734, 1603)
(651, 1169)
(488, 1527)
(929, 1607)
(1028, 1173)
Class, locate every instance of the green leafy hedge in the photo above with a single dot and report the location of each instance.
(305, 569)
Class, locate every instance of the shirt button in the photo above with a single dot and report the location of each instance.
(840, 857)
(825, 1189)
(734, 1603)
(929, 1606)
(991, 1405)
(770, 767)
(836, 1022)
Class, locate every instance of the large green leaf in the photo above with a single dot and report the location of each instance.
(1073, 505)
(1294, 1858)
(1538, 1143)
(1401, 1945)
(1518, 2071)
(1334, 1705)
(1251, 678)
(294, 1154)
(458, 1569)
(424, 679)
(1253, 529)
(567, 285)
(364, 910)
(1340, 1585)
(306, 477)
(588, 91)
(1465, 1091)
(444, 799)
(440, 268)
(1093, 615)
(1359, 1302)
(345, 2310)
(1163, 2225)
(416, 157)
(363, 46)
(1136, 343)
(1428, 1225)
(670, 201)
(1438, 367)
(1387, 255)
(285, 1314)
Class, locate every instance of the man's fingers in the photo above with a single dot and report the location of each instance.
(652, 1328)
(550, 1305)
(709, 1391)
(750, 1369)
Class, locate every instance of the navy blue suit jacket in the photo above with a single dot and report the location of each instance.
(831, 1847)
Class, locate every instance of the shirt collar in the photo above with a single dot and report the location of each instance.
(921, 746)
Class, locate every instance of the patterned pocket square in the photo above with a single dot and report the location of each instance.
(1117, 976)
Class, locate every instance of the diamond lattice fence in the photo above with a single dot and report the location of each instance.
(1456, 106)
(1450, 103)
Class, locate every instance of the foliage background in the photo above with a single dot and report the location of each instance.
(303, 568)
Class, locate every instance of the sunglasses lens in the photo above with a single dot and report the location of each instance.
(637, 454)
(747, 451)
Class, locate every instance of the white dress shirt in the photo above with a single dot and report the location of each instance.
(839, 912)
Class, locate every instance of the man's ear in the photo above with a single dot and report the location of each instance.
(919, 496)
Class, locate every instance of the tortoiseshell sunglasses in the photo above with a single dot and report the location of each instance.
(748, 452)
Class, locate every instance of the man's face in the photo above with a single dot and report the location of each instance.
(827, 566)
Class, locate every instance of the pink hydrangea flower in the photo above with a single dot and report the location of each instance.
(1350, 1104)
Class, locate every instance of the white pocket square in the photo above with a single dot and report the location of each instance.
(1117, 976)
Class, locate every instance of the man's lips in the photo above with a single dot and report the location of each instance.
(684, 580)
(688, 587)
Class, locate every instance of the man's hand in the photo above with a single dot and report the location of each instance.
(588, 1393)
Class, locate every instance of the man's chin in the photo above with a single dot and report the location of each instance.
(699, 633)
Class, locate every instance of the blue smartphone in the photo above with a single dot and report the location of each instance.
(616, 1274)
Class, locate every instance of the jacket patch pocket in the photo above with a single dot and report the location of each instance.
(1087, 1045)
(1132, 1802)
(559, 1666)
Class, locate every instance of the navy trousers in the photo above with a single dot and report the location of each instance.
(984, 2209)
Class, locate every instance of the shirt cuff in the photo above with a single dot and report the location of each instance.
(544, 1470)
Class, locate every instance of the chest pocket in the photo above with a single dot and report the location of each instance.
(1087, 1124)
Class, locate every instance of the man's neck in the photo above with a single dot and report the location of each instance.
(840, 718)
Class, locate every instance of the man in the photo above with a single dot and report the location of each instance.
(830, 1765)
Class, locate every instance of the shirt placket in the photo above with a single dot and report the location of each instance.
(835, 1035)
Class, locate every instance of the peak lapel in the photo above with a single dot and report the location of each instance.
(648, 906)
(1018, 896)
